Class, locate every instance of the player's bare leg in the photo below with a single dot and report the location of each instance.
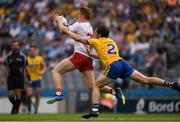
(100, 82)
(64, 66)
(29, 95)
(139, 77)
(61, 68)
(37, 91)
(90, 79)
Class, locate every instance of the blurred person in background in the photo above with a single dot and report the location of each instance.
(36, 68)
(162, 51)
(14, 72)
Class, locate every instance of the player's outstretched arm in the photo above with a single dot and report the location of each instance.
(75, 36)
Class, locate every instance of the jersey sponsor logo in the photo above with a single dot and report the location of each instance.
(33, 65)
(164, 107)
(157, 106)
(19, 59)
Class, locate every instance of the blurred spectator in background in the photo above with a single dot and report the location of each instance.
(14, 30)
(163, 54)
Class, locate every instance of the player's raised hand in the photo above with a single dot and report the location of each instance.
(53, 16)
(56, 17)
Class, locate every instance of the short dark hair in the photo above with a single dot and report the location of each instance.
(33, 46)
(14, 41)
(86, 12)
(103, 31)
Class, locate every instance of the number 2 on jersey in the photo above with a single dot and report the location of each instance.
(111, 49)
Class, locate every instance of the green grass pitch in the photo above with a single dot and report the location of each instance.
(104, 117)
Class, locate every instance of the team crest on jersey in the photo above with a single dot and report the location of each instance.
(32, 65)
(18, 59)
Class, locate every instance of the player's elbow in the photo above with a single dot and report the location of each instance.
(98, 85)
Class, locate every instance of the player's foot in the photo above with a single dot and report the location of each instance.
(175, 86)
(91, 114)
(119, 95)
(13, 110)
(118, 92)
(94, 112)
(17, 111)
(55, 98)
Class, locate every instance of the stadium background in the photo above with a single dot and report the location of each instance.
(147, 32)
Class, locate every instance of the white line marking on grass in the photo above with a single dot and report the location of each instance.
(94, 121)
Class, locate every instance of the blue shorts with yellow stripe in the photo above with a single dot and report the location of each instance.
(119, 69)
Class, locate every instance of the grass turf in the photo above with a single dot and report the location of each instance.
(102, 118)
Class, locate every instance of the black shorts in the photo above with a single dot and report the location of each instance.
(15, 83)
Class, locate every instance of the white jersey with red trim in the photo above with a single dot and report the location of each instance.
(84, 29)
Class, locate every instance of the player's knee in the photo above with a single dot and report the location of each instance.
(98, 85)
(54, 71)
(90, 86)
(57, 70)
(37, 96)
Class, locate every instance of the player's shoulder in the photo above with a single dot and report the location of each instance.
(109, 40)
(86, 24)
(39, 58)
(29, 58)
(6, 58)
(8, 55)
(22, 55)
